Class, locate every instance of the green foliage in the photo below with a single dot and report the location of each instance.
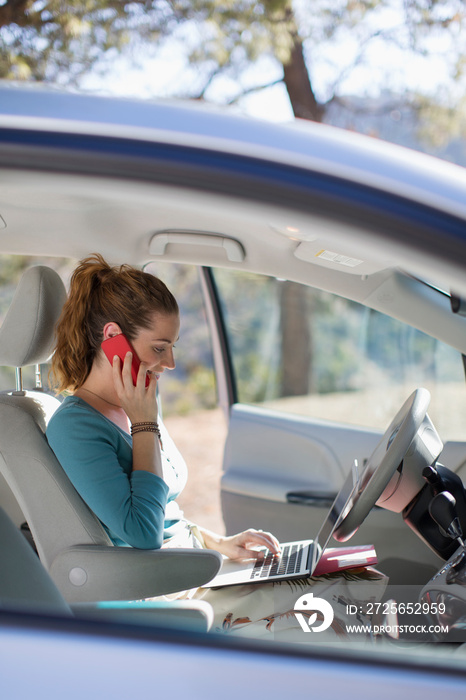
(250, 306)
(239, 31)
(440, 123)
(196, 391)
(57, 41)
(354, 348)
(11, 269)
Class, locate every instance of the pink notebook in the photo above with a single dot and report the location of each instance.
(339, 558)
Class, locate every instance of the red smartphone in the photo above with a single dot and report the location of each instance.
(120, 345)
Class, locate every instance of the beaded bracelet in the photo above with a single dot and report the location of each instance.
(146, 427)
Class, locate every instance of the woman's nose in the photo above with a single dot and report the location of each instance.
(169, 362)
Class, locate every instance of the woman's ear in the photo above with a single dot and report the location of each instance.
(111, 329)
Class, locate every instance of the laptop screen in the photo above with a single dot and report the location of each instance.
(338, 510)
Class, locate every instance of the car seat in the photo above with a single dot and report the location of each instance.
(26, 587)
(71, 542)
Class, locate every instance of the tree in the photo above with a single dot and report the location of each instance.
(61, 41)
(296, 345)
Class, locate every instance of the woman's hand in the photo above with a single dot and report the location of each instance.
(138, 402)
(243, 545)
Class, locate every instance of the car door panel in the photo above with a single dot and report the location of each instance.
(289, 453)
(454, 457)
(269, 456)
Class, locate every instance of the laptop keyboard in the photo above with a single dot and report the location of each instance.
(287, 562)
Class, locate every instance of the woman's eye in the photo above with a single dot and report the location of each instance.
(160, 350)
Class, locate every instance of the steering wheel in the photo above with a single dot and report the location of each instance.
(384, 461)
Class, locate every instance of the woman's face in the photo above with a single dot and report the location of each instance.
(154, 345)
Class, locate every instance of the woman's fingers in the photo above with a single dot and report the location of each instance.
(117, 374)
(145, 376)
(245, 544)
(260, 538)
(127, 373)
(138, 401)
(152, 386)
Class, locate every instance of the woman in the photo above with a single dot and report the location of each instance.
(107, 437)
(105, 433)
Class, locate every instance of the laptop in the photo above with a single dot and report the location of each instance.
(296, 559)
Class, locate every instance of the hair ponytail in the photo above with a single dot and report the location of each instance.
(98, 295)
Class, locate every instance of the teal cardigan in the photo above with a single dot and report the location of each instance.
(136, 508)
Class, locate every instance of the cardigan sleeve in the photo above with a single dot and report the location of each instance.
(132, 507)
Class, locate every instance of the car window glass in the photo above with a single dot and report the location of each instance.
(305, 351)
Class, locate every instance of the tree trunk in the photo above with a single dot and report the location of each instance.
(296, 350)
(14, 12)
(298, 85)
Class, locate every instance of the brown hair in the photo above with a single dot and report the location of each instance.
(98, 295)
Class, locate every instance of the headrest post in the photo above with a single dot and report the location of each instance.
(38, 377)
(19, 379)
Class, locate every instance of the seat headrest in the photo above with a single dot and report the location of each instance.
(27, 333)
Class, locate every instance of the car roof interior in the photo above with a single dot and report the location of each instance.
(72, 215)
